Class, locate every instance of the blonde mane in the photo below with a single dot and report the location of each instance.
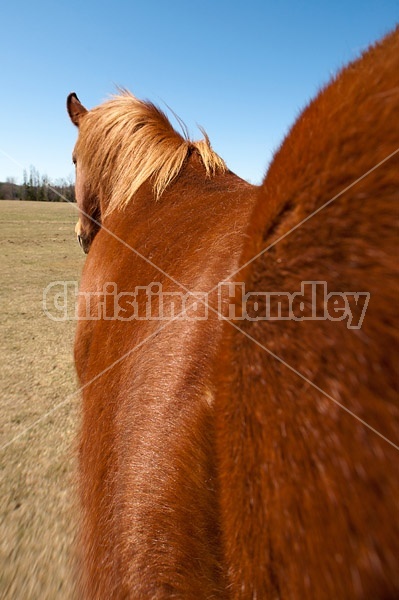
(126, 141)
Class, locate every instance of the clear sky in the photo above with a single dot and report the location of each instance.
(242, 70)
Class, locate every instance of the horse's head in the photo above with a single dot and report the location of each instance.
(87, 199)
(122, 144)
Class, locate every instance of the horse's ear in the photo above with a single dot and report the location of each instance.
(75, 109)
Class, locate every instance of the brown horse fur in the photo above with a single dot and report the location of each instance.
(227, 459)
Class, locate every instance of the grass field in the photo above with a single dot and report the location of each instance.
(38, 504)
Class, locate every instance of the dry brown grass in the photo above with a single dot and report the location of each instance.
(38, 510)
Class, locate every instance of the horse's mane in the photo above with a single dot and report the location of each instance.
(126, 141)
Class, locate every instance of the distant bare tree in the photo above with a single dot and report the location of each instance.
(38, 187)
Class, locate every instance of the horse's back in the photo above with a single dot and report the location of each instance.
(306, 410)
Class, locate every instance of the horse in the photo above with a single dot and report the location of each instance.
(228, 450)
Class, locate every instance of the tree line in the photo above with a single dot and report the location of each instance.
(38, 187)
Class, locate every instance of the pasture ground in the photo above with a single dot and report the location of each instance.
(38, 513)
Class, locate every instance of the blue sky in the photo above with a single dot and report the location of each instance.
(242, 70)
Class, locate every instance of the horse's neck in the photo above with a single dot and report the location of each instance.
(190, 186)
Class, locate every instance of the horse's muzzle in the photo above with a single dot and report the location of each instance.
(84, 243)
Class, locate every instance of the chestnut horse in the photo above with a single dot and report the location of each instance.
(224, 455)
